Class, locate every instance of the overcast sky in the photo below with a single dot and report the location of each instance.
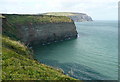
(97, 9)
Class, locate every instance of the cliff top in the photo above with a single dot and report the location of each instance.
(63, 13)
(25, 19)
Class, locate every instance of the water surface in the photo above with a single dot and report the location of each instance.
(92, 56)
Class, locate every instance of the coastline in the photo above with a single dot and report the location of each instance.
(19, 50)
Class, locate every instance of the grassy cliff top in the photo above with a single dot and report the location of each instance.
(63, 13)
(18, 64)
(31, 19)
(13, 21)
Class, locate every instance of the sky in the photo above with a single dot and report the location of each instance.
(97, 9)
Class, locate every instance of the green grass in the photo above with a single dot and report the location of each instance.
(18, 64)
(63, 14)
(60, 13)
(33, 19)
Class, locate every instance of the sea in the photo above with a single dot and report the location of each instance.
(93, 55)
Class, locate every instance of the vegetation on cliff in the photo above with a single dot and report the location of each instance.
(13, 21)
(60, 13)
(18, 64)
(27, 19)
(17, 58)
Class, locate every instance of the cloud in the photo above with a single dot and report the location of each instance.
(93, 7)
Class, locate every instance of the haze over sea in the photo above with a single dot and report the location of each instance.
(92, 56)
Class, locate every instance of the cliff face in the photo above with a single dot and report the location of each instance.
(38, 33)
(76, 17)
(47, 33)
(79, 17)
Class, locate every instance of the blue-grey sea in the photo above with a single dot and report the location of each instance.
(92, 56)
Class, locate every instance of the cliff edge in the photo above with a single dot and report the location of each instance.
(39, 29)
(76, 17)
(19, 31)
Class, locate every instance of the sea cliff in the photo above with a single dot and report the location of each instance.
(19, 31)
(37, 30)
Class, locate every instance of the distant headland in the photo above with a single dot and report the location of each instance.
(76, 17)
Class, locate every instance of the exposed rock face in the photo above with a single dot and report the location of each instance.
(47, 33)
(31, 32)
(79, 17)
